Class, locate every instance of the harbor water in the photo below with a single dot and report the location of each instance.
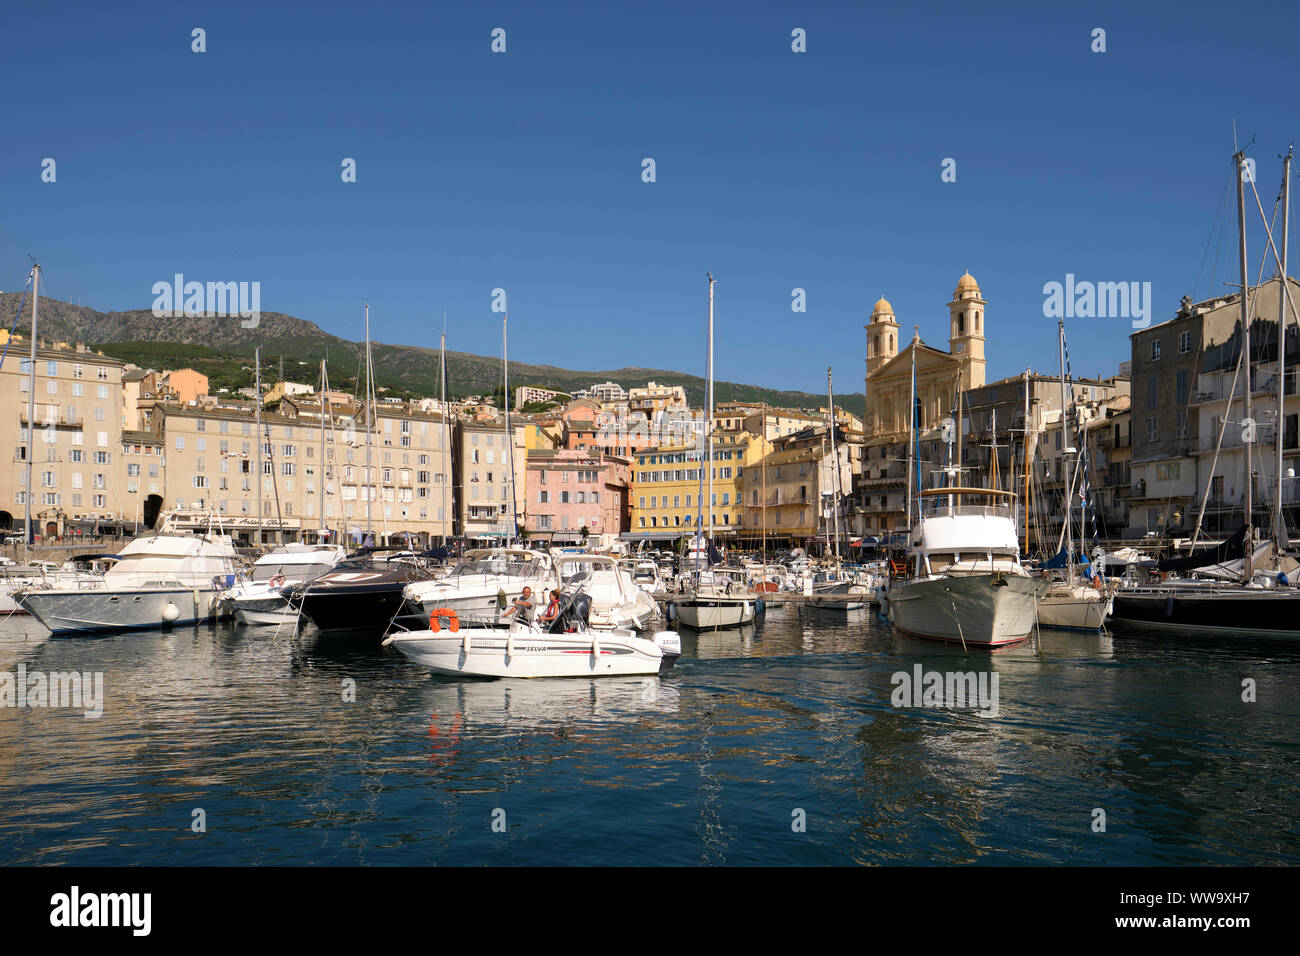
(781, 743)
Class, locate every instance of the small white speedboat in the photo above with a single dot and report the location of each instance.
(260, 599)
(564, 647)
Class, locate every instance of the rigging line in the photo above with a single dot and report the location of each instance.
(1210, 238)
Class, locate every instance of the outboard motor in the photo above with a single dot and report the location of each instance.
(581, 607)
(152, 508)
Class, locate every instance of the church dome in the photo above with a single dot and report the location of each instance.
(882, 307)
(966, 283)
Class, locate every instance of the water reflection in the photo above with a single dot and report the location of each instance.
(301, 750)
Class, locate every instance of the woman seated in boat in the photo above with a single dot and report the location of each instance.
(553, 608)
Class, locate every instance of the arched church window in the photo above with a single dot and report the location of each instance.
(977, 321)
(961, 323)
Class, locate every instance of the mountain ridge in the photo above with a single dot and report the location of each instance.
(222, 348)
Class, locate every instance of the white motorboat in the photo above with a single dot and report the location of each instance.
(564, 647)
(485, 582)
(260, 598)
(161, 579)
(615, 600)
(1075, 607)
(964, 582)
(717, 598)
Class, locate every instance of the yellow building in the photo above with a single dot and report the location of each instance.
(667, 491)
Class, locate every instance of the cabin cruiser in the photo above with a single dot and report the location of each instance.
(840, 590)
(615, 600)
(160, 579)
(565, 646)
(360, 595)
(79, 571)
(645, 575)
(963, 581)
(259, 599)
(486, 581)
(718, 597)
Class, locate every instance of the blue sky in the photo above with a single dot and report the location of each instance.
(522, 170)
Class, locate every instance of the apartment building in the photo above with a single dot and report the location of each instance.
(76, 476)
(570, 490)
(1183, 372)
(491, 473)
(315, 483)
(793, 495)
(669, 490)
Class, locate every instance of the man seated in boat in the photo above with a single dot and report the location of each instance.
(523, 607)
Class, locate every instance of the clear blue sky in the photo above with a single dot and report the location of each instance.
(775, 170)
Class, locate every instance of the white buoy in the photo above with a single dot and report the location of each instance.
(171, 612)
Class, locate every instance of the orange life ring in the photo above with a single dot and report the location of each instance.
(453, 622)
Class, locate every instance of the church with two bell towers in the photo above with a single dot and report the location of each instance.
(939, 374)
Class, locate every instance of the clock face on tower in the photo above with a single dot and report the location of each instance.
(961, 346)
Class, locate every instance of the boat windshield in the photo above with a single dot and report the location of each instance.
(503, 565)
(300, 572)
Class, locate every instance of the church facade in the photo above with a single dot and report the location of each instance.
(939, 376)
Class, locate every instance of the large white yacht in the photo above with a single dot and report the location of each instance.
(260, 598)
(963, 581)
(161, 579)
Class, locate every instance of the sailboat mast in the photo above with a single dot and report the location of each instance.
(762, 449)
(709, 398)
(31, 410)
(1280, 535)
(257, 387)
(370, 416)
(1067, 487)
(1240, 164)
(510, 440)
(1026, 431)
(911, 430)
(442, 379)
(323, 526)
(835, 463)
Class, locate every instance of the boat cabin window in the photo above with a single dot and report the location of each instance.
(941, 559)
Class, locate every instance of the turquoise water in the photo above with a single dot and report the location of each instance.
(711, 764)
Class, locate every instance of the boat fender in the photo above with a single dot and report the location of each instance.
(595, 645)
(759, 606)
(501, 598)
(170, 612)
(1169, 606)
(438, 615)
(672, 612)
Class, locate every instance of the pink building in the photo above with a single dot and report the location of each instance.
(570, 489)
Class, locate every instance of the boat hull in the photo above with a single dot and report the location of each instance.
(978, 610)
(69, 612)
(363, 611)
(706, 614)
(1074, 609)
(500, 652)
(1262, 612)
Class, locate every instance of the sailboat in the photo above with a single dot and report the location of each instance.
(1248, 605)
(716, 597)
(1071, 604)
